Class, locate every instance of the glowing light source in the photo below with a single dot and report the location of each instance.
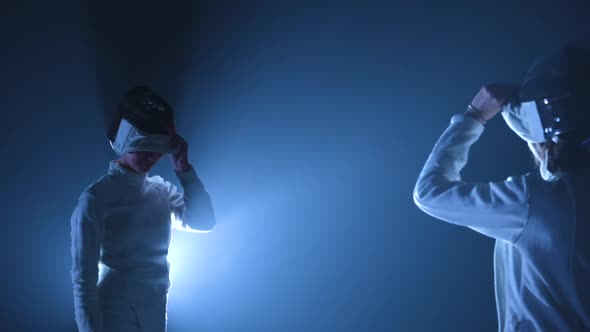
(177, 224)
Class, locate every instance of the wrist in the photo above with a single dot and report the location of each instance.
(474, 113)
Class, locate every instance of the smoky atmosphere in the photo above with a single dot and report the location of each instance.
(307, 124)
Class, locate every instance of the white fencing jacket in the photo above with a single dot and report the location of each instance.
(542, 232)
(123, 221)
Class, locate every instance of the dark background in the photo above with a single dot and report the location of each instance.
(308, 122)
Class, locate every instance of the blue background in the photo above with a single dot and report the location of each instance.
(307, 121)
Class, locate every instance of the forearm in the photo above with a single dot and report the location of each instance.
(86, 307)
(198, 213)
(84, 275)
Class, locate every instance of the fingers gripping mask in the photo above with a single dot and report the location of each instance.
(525, 121)
(132, 139)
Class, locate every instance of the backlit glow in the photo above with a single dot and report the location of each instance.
(177, 224)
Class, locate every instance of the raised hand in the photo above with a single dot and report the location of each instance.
(489, 100)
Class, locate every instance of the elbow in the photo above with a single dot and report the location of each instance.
(206, 225)
(419, 194)
(426, 203)
(198, 224)
(202, 224)
(419, 200)
(436, 200)
(206, 221)
(204, 218)
(423, 196)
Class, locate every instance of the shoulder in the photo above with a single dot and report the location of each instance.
(540, 191)
(519, 187)
(89, 200)
(98, 187)
(97, 191)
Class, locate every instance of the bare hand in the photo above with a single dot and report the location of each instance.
(490, 99)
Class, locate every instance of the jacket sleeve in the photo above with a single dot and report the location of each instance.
(192, 208)
(497, 209)
(86, 238)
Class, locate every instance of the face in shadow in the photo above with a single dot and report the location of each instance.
(141, 161)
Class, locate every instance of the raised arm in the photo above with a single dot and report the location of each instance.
(192, 208)
(496, 209)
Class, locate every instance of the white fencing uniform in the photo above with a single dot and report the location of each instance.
(123, 221)
(542, 232)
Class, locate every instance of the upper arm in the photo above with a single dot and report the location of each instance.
(496, 209)
(176, 198)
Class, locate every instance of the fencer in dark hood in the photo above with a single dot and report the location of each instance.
(540, 220)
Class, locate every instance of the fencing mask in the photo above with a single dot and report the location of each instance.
(142, 123)
(131, 139)
(552, 101)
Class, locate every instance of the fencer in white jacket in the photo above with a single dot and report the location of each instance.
(540, 220)
(123, 221)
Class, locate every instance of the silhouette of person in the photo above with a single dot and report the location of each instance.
(123, 221)
(540, 220)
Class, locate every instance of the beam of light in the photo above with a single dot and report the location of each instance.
(183, 252)
(177, 224)
(101, 270)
